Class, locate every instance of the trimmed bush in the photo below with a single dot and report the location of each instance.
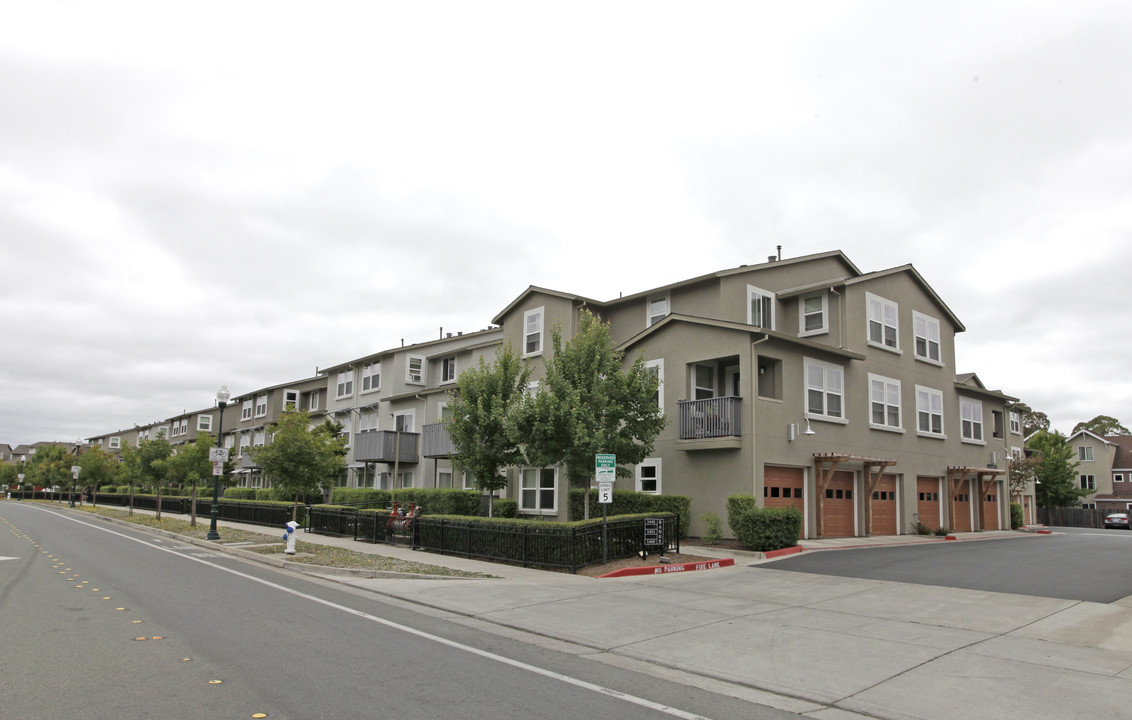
(349, 496)
(712, 524)
(239, 493)
(737, 506)
(1016, 519)
(505, 508)
(628, 502)
(766, 529)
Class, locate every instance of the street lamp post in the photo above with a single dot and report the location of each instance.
(222, 396)
(23, 473)
(74, 474)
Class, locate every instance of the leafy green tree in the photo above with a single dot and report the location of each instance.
(588, 404)
(49, 467)
(190, 466)
(1033, 421)
(1103, 425)
(129, 471)
(301, 460)
(1055, 470)
(98, 468)
(9, 475)
(1023, 471)
(483, 403)
(153, 454)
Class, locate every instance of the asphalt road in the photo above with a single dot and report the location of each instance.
(101, 621)
(1072, 564)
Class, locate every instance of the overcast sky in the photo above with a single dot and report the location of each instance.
(196, 194)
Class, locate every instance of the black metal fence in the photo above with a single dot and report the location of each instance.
(1073, 517)
(535, 544)
(252, 513)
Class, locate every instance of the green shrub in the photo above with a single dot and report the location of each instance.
(348, 496)
(505, 508)
(921, 528)
(737, 506)
(766, 529)
(1016, 520)
(712, 525)
(239, 493)
(942, 532)
(628, 502)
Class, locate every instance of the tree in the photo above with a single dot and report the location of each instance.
(98, 468)
(1055, 471)
(9, 475)
(589, 404)
(191, 465)
(1103, 425)
(129, 471)
(482, 407)
(301, 460)
(152, 456)
(1033, 421)
(50, 467)
(1023, 471)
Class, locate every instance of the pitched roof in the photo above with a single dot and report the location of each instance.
(915, 275)
(1122, 459)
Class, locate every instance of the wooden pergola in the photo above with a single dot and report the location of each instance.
(827, 465)
(982, 477)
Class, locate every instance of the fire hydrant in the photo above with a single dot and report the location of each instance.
(289, 537)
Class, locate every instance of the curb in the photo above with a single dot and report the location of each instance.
(664, 569)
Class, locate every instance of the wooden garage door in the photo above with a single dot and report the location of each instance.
(884, 506)
(962, 520)
(927, 501)
(838, 507)
(784, 487)
(990, 508)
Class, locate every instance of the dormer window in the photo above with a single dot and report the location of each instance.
(813, 315)
(657, 310)
(760, 308)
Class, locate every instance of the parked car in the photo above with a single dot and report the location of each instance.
(1117, 520)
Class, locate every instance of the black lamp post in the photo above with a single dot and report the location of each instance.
(23, 473)
(74, 474)
(222, 396)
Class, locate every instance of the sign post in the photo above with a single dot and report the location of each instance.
(605, 469)
(74, 481)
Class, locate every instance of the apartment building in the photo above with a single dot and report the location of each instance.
(1104, 466)
(807, 383)
(392, 405)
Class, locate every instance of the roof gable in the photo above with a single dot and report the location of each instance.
(919, 279)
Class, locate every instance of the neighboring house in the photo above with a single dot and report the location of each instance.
(803, 381)
(393, 403)
(1104, 466)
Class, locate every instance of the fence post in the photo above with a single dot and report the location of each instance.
(574, 549)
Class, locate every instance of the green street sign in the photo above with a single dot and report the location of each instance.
(606, 467)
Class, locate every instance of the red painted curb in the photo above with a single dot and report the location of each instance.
(663, 569)
(951, 537)
(784, 551)
(1044, 532)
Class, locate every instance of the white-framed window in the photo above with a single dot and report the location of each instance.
(261, 406)
(414, 369)
(290, 399)
(532, 388)
(884, 403)
(760, 307)
(448, 369)
(405, 479)
(367, 420)
(260, 438)
(656, 369)
(1088, 482)
(648, 476)
(371, 377)
(246, 410)
(314, 401)
(532, 332)
(703, 381)
(403, 420)
(926, 330)
(229, 441)
(1015, 422)
(970, 420)
(825, 390)
(115, 443)
(657, 310)
(929, 411)
(1084, 453)
(245, 442)
(538, 490)
(1118, 477)
(469, 481)
(883, 322)
(184, 426)
(813, 315)
(345, 383)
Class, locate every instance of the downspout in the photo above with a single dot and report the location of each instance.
(754, 401)
(840, 316)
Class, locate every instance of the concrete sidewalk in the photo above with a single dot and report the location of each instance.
(827, 647)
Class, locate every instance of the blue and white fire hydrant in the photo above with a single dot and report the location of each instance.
(290, 538)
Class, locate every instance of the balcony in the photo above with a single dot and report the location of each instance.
(247, 463)
(382, 446)
(435, 442)
(714, 423)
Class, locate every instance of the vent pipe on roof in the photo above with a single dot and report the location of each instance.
(779, 248)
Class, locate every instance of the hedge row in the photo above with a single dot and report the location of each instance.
(763, 529)
(628, 502)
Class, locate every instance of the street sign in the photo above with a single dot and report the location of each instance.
(217, 468)
(606, 467)
(217, 454)
(654, 532)
(75, 469)
(605, 492)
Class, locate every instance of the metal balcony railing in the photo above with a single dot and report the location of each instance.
(386, 446)
(711, 418)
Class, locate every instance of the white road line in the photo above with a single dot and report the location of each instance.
(674, 712)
